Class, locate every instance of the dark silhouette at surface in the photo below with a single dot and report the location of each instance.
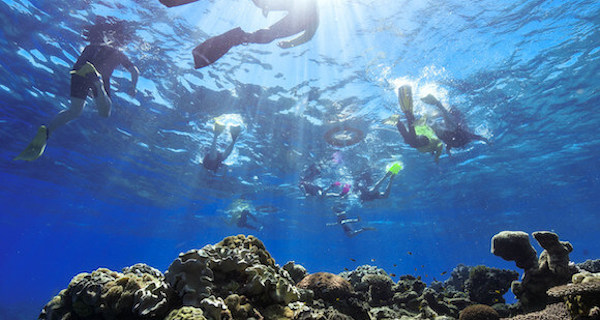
(307, 183)
(214, 159)
(302, 16)
(243, 220)
(346, 223)
(454, 132)
(373, 193)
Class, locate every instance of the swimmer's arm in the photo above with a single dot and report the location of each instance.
(308, 34)
(135, 75)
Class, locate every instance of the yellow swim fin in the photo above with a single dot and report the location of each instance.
(405, 99)
(392, 120)
(219, 126)
(37, 146)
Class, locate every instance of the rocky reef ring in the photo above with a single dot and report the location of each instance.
(344, 136)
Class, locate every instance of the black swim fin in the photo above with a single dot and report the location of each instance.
(36, 148)
(214, 48)
(173, 3)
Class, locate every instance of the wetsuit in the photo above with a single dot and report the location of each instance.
(212, 164)
(458, 137)
(105, 59)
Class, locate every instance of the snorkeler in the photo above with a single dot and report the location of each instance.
(307, 183)
(344, 189)
(346, 223)
(213, 159)
(370, 194)
(454, 132)
(243, 220)
(420, 136)
(303, 16)
(92, 71)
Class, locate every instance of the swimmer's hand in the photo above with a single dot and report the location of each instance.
(132, 92)
(285, 44)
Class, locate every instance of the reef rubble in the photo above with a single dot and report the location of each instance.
(238, 278)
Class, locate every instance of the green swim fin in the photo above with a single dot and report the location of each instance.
(405, 99)
(395, 168)
(37, 146)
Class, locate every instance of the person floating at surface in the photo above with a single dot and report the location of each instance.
(242, 222)
(303, 16)
(307, 183)
(346, 223)
(370, 194)
(92, 71)
(419, 136)
(454, 132)
(344, 189)
(213, 159)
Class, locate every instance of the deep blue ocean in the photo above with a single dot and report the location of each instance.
(130, 188)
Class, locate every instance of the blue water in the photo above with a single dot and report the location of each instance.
(130, 188)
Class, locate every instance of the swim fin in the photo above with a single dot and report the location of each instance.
(405, 99)
(214, 48)
(395, 168)
(173, 3)
(430, 99)
(37, 146)
(219, 127)
(235, 131)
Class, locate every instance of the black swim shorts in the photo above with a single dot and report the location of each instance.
(80, 87)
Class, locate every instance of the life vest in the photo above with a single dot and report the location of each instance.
(435, 144)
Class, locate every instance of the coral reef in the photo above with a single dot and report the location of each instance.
(554, 311)
(479, 312)
(552, 268)
(237, 279)
(488, 285)
(327, 286)
(140, 291)
(590, 265)
(582, 296)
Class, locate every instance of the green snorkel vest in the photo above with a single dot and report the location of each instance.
(435, 144)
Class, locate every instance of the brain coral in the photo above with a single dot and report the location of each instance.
(186, 313)
(479, 312)
(327, 286)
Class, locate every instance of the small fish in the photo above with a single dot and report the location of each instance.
(395, 265)
(422, 266)
(372, 260)
(419, 278)
(415, 269)
(353, 260)
(392, 274)
(346, 269)
(443, 273)
(426, 276)
(409, 253)
(337, 299)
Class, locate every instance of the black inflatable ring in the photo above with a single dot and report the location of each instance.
(344, 136)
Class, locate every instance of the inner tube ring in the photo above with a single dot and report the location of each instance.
(344, 136)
